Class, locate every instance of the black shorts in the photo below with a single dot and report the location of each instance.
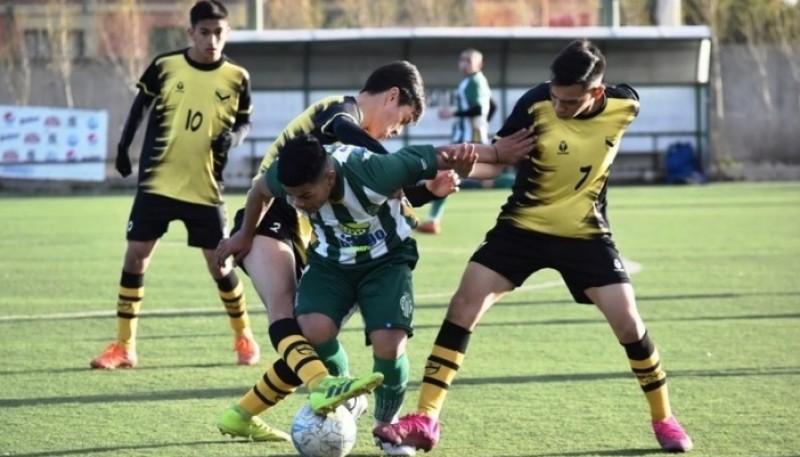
(583, 263)
(151, 214)
(280, 222)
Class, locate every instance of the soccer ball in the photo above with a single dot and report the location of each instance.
(333, 435)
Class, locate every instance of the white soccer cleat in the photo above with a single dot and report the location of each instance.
(395, 449)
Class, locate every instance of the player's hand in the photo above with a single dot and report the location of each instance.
(123, 161)
(462, 159)
(515, 147)
(445, 183)
(237, 246)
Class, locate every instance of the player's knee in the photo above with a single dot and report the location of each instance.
(317, 328)
(279, 309)
(137, 257)
(388, 344)
(628, 330)
(218, 271)
(463, 310)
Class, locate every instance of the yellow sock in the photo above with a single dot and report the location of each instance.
(646, 365)
(129, 300)
(231, 292)
(441, 368)
(277, 383)
(298, 353)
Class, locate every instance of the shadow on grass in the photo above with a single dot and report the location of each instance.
(141, 447)
(597, 319)
(85, 369)
(646, 298)
(255, 309)
(610, 453)
(205, 394)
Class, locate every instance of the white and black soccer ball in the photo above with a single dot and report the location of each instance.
(333, 435)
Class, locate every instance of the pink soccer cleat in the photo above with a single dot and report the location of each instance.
(671, 436)
(414, 430)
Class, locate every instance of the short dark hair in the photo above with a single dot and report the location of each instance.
(301, 160)
(580, 62)
(207, 9)
(404, 76)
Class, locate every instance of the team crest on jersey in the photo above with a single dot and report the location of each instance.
(354, 228)
(179, 87)
(406, 304)
(222, 96)
(563, 148)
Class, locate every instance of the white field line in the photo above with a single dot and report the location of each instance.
(631, 266)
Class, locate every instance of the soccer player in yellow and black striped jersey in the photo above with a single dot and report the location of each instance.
(555, 218)
(200, 109)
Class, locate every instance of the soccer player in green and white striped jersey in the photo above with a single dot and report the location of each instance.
(473, 98)
(363, 252)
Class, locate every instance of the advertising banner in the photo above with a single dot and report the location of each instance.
(53, 143)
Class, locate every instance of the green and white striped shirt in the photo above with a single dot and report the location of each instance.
(473, 91)
(367, 223)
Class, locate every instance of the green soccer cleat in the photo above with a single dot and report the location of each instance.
(335, 390)
(237, 423)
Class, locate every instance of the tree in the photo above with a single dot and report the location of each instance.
(61, 36)
(16, 64)
(760, 27)
(120, 34)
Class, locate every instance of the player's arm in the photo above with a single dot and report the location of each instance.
(233, 137)
(421, 194)
(227, 140)
(472, 111)
(474, 106)
(240, 129)
(347, 131)
(149, 87)
(494, 158)
(139, 107)
(515, 140)
(259, 199)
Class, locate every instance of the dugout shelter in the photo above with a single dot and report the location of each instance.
(290, 69)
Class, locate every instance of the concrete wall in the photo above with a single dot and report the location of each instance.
(761, 117)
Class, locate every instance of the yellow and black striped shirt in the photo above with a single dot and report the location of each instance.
(315, 120)
(194, 103)
(561, 189)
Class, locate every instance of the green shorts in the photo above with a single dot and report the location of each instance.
(383, 292)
